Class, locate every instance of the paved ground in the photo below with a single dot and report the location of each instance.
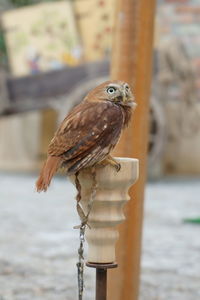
(171, 248)
(38, 244)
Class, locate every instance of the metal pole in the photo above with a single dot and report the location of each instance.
(101, 278)
(101, 284)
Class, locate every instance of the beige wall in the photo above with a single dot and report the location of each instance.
(182, 153)
(19, 142)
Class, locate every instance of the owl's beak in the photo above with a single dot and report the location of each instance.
(124, 98)
(127, 98)
(124, 95)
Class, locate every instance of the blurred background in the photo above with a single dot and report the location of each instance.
(51, 54)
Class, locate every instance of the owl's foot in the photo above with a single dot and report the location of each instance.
(111, 161)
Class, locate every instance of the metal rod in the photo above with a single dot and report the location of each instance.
(101, 284)
(101, 278)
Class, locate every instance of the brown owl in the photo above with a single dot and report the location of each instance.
(89, 132)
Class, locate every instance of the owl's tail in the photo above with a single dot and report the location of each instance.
(48, 170)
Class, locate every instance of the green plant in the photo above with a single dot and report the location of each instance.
(18, 3)
(3, 52)
(193, 221)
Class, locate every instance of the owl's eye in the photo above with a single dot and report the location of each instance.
(111, 90)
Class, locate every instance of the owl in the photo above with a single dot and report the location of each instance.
(89, 132)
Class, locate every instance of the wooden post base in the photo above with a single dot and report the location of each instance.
(111, 194)
(107, 207)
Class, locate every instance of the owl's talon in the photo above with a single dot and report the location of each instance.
(111, 161)
(118, 167)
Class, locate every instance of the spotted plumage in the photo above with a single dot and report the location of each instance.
(90, 131)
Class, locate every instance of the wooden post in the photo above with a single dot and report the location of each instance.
(132, 62)
(107, 207)
(111, 194)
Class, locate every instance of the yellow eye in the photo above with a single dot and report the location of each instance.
(111, 90)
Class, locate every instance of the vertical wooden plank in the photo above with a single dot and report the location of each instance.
(132, 62)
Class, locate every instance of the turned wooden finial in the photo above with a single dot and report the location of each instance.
(107, 208)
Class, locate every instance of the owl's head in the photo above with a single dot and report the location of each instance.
(115, 91)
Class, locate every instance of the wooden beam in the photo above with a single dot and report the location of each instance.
(132, 62)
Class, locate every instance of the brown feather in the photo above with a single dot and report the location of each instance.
(89, 132)
(48, 170)
(127, 112)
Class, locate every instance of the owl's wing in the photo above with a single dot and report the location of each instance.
(89, 124)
